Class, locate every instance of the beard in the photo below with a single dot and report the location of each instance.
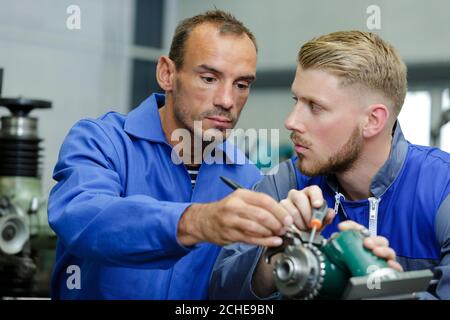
(343, 160)
(186, 118)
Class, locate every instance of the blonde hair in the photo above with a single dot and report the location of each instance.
(359, 58)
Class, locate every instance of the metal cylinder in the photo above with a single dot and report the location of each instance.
(19, 127)
(299, 274)
(19, 147)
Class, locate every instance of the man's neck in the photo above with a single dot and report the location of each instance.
(355, 183)
(169, 124)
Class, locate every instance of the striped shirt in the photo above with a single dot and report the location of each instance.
(193, 173)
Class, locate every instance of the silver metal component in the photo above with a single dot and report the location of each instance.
(13, 234)
(23, 127)
(397, 285)
(34, 205)
(299, 237)
(299, 274)
(14, 231)
(313, 234)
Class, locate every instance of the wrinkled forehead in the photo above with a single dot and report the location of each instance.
(206, 45)
(208, 36)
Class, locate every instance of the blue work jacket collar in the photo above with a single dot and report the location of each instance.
(144, 122)
(390, 169)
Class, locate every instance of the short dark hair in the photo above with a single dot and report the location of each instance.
(226, 23)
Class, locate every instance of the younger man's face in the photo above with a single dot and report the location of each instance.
(325, 123)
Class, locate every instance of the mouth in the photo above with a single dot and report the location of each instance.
(220, 122)
(300, 148)
(300, 145)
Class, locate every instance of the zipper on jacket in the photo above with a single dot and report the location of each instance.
(373, 215)
(337, 202)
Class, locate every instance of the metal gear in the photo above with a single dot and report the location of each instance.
(300, 273)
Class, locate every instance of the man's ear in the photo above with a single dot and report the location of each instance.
(377, 119)
(165, 73)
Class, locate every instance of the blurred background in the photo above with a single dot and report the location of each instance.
(107, 62)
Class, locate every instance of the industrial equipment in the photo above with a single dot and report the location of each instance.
(339, 268)
(27, 243)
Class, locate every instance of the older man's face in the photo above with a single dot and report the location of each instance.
(213, 84)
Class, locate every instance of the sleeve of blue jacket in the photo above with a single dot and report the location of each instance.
(443, 236)
(441, 290)
(233, 271)
(87, 206)
(442, 271)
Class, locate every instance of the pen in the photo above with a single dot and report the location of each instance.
(233, 185)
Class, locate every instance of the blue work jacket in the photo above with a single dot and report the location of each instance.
(116, 206)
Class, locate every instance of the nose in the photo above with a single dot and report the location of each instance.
(294, 120)
(224, 96)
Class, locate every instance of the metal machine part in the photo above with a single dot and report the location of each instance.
(14, 231)
(339, 268)
(300, 273)
(26, 240)
(19, 141)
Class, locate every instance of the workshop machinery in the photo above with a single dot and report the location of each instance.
(27, 244)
